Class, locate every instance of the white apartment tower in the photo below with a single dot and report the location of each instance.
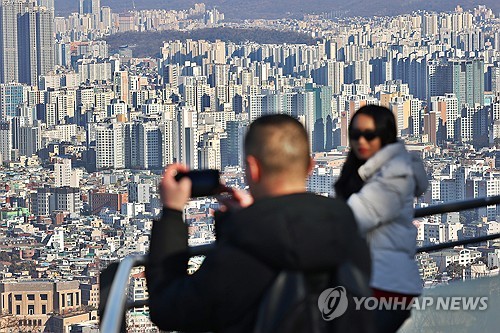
(447, 107)
(110, 148)
(167, 142)
(62, 172)
(187, 124)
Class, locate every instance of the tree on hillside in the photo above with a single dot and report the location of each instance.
(455, 271)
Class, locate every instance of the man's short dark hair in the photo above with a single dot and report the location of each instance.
(280, 143)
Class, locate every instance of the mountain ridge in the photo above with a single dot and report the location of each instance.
(245, 9)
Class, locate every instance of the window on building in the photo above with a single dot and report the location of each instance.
(18, 297)
(43, 297)
(69, 299)
(44, 309)
(31, 309)
(18, 309)
(31, 297)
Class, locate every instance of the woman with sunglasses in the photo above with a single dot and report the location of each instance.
(379, 181)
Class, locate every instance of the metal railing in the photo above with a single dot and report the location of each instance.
(468, 241)
(117, 304)
(457, 206)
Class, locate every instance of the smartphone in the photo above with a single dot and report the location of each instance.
(204, 182)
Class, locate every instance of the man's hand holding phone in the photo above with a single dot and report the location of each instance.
(178, 184)
(174, 193)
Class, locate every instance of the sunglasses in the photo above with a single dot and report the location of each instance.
(368, 135)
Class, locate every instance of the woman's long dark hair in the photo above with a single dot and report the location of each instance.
(349, 181)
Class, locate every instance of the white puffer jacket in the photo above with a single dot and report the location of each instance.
(384, 212)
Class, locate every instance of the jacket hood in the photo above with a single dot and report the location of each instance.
(297, 232)
(411, 162)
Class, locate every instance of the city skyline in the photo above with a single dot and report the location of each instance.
(86, 130)
(278, 9)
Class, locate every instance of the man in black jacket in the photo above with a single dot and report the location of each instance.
(280, 227)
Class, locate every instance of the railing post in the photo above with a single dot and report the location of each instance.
(114, 310)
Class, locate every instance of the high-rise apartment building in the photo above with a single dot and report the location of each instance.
(149, 146)
(210, 151)
(429, 24)
(5, 142)
(187, 129)
(400, 107)
(12, 95)
(110, 148)
(28, 55)
(36, 44)
(381, 71)
(462, 77)
(487, 187)
(495, 78)
(106, 18)
(121, 86)
(49, 4)
(9, 57)
(67, 199)
(415, 117)
(322, 116)
(231, 146)
(168, 144)
(43, 201)
(439, 79)
(90, 7)
(468, 81)
(431, 124)
(331, 73)
(62, 172)
(27, 43)
(126, 22)
(30, 140)
(138, 192)
(131, 143)
(447, 109)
